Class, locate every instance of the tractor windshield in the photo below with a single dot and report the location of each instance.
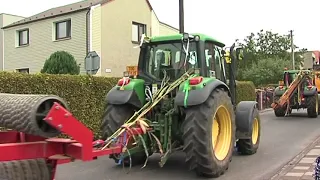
(171, 58)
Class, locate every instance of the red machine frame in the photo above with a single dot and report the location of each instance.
(20, 146)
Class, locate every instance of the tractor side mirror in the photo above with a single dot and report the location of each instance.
(239, 54)
(223, 52)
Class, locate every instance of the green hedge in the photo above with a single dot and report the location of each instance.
(85, 95)
(245, 91)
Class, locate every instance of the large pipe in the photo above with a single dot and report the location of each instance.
(181, 17)
(25, 113)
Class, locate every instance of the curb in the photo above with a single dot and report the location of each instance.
(265, 110)
(294, 161)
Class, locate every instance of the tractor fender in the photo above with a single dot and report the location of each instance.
(244, 118)
(310, 92)
(199, 96)
(116, 96)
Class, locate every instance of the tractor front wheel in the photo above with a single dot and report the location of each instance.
(280, 111)
(312, 106)
(113, 118)
(251, 145)
(209, 135)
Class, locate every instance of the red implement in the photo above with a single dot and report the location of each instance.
(19, 146)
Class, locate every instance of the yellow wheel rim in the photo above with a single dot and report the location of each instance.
(221, 133)
(255, 131)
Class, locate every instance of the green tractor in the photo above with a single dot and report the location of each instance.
(305, 95)
(200, 117)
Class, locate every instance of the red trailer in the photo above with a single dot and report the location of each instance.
(21, 152)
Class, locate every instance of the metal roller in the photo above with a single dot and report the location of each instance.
(25, 113)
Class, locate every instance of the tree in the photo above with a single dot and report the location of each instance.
(268, 52)
(61, 62)
(266, 71)
(265, 44)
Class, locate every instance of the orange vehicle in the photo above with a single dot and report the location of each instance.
(316, 71)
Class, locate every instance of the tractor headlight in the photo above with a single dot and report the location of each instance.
(197, 38)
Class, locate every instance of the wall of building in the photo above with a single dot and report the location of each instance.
(164, 29)
(42, 43)
(5, 19)
(96, 33)
(117, 47)
(155, 24)
(308, 60)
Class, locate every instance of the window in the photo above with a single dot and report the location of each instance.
(63, 29)
(210, 61)
(169, 57)
(23, 70)
(137, 31)
(23, 36)
(213, 61)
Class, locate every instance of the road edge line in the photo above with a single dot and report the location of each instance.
(265, 110)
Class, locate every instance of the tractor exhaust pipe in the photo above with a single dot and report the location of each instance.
(181, 17)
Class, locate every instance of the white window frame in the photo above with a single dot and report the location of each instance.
(23, 70)
(137, 30)
(19, 42)
(68, 30)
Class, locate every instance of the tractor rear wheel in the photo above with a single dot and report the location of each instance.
(113, 118)
(281, 111)
(312, 106)
(250, 146)
(209, 135)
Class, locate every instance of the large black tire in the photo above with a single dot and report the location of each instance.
(113, 118)
(312, 106)
(279, 112)
(25, 113)
(250, 146)
(35, 169)
(197, 135)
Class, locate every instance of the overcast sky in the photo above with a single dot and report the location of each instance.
(225, 20)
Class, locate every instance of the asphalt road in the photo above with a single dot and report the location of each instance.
(281, 140)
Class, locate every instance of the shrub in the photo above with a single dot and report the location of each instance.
(85, 95)
(61, 62)
(245, 91)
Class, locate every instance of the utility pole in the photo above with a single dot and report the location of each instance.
(292, 49)
(181, 17)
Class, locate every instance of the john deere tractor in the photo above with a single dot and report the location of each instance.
(304, 94)
(198, 114)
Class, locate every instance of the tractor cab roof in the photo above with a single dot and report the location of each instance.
(175, 37)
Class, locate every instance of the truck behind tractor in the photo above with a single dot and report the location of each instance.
(178, 101)
(296, 91)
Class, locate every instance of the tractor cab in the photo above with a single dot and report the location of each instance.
(173, 55)
(169, 57)
(290, 75)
